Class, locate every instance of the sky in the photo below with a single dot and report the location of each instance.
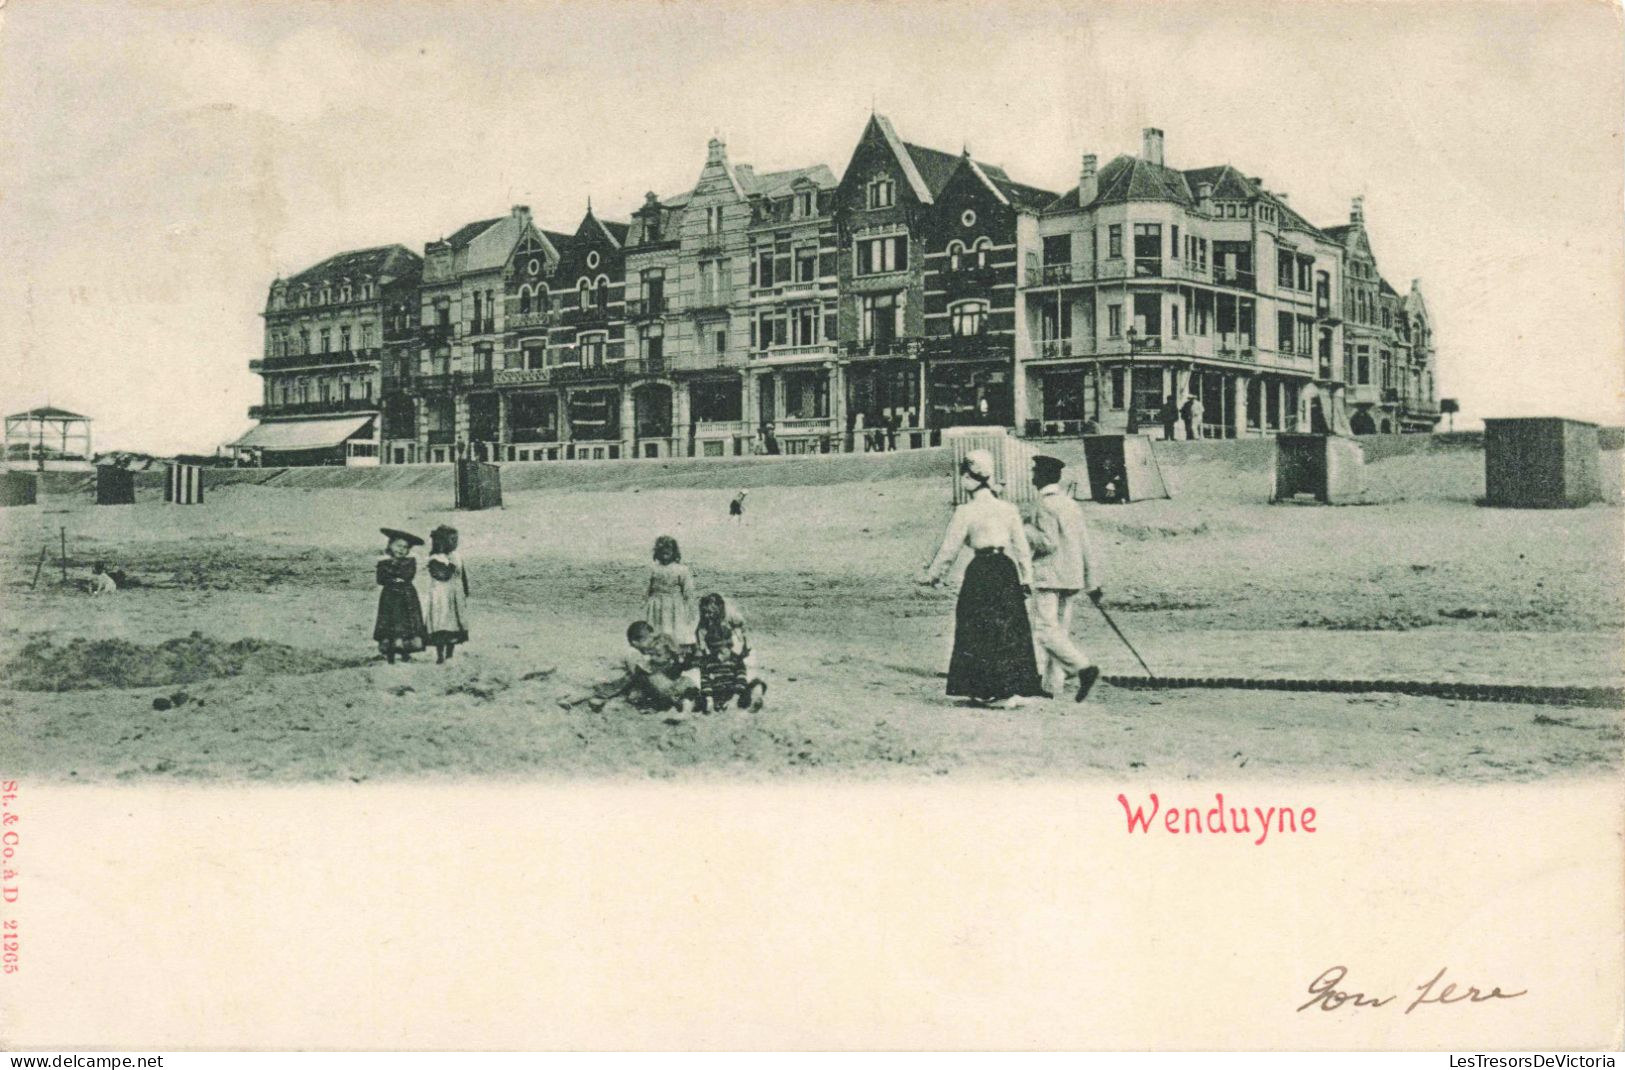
(161, 163)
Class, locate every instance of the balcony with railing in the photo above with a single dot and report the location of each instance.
(593, 315)
(540, 433)
(519, 321)
(882, 349)
(710, 300)
(437, 333)
(1058, 348)
(336, 358)
(642, 308)
(963, 347)
(330, 407)
(791, 354)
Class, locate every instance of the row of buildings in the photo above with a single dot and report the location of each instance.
(802, 311)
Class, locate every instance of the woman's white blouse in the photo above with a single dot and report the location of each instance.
(982, 523)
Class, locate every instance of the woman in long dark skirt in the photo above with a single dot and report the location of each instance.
(399, 628)
(993, 661)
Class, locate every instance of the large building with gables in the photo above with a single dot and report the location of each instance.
(800, 311)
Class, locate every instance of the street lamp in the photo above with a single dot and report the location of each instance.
(1133, 345)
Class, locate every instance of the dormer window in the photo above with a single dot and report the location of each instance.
(344, 293)
(882, 193)
(806, 204)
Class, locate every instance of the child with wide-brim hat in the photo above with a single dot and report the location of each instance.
(399, 628)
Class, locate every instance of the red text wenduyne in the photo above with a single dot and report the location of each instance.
(1255, 822)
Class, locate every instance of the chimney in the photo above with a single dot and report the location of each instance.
(1416, 285)
(1257, 181)
(1088, 181)
(1151, 150)
(1204, 197)
(1357, 211)
(716, 151)
(521, 212)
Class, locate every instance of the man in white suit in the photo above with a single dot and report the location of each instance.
(1063, 565)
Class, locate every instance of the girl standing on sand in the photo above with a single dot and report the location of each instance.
(399, 628)
(670, 609)
(994, 663)
(448, 594)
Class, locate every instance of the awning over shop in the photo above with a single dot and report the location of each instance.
(303, 434)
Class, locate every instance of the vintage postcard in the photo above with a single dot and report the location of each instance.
(804, 525)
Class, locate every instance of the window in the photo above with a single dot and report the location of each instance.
(804, 326)
(1284, 329)
(721, 340)
(654, 290)
(1054, 322)
(880, 316)
(324, 390)
(1114, 322)
(981, 250)
(1173, 319)
(1173, 244)
(1306, 336)
(524, 300)
(1148, 249)
(1306, 271)
(344, 295)
(805, 203)
(968, 318)
(807, 264)
(956, 256)
(654, 343)
(1285, 269)
(344, 339)
(592, 351)
(1117, 386)
(327, 340)
(583, 294)
(713, 219)
(1058, 249)
(876, 256)
(882, 193)
(534, 356)
(1114, 242)
(600, 293)
(304, 341)
(1362, 365)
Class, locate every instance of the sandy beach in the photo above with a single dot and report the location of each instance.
(255, 610)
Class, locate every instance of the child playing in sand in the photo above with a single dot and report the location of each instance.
(654, 675)
(736, 508)
(399, 628)
(727, 665)
(448, 594)
(670, 608)
(100, 581)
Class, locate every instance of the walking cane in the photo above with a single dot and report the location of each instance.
(1126, 643)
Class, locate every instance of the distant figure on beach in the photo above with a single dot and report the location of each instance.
(399, 628)
(994, 662)
(736, 508)
(670, 607)
(722, 651)
(770, 441)
(445, 617)
(1170, 417)
(1063, 565)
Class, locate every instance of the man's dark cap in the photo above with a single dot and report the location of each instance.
(1047, 469)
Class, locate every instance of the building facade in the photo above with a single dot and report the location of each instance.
(325, 330)
(1154, 283)
(797, 312)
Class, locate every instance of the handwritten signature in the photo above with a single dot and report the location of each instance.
(1326, 994)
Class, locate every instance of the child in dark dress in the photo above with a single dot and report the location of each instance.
(727, 668)
(399, 628)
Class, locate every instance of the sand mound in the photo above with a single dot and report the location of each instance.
(83, 664)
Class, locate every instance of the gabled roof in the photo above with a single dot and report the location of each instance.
(469, 231)
(1227, 182)
(777, 184)
(934, 166)
(47, 412)
(1008, 192)
(1385, 289)
(905, 157)
(382, 261)
(1129, 178)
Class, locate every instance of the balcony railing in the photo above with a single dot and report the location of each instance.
(645, 307)
(591, 316)
(313, 408)
(533, 434)
(1054, 349)
(711, 243)
(437, 333)
(971, 347)
(709, 300)
(518, 321)
(313, 360)
(787, 353)
(883, 350)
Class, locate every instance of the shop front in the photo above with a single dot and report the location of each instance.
(595, 424)
(652, 420)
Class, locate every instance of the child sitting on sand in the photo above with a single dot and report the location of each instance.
(727, 665)
(654, 675)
